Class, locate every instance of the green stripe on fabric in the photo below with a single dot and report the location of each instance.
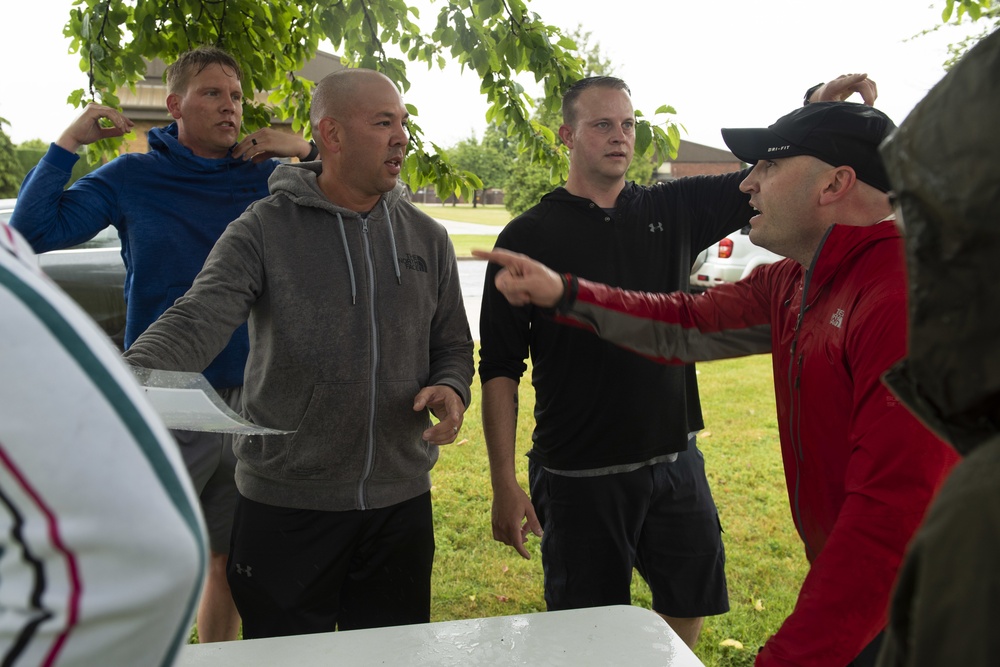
(115, 395)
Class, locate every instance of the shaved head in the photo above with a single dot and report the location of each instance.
(336, 94)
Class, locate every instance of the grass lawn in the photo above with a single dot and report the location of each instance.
(484, 215)
(465, 243)
(475, 576)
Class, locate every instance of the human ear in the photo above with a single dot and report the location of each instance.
(174, 105)
(566, 134)
(329, 134)
(839, 181)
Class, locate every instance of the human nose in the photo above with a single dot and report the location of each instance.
(402, 136)
(749, 184)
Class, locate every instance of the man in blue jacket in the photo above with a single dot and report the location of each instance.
(169, 206)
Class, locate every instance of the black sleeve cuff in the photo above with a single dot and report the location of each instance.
(805, 100)
(571, 287)
(313, 152)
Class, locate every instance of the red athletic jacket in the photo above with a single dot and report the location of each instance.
(860, 469)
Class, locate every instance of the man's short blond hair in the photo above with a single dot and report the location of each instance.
(571, 95)
(191, 63)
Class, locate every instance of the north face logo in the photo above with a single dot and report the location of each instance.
(413, 263)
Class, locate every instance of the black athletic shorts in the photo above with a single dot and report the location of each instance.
(296, 571)
(660, 519)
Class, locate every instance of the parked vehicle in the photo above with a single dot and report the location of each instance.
(6, 209)
(92, 273)
(729, 260)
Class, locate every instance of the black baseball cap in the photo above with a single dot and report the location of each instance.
(838, 133)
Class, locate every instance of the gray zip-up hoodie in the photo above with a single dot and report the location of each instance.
(350, 316)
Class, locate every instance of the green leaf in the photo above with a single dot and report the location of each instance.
(643, 138)
(949, 6)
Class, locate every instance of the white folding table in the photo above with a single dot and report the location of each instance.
(617, 635)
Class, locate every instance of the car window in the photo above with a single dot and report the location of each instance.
(106, 238)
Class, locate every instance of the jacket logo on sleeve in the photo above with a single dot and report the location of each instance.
(413, 263)
(837, 318)
(655, 227)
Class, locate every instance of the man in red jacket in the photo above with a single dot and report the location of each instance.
(860, 470)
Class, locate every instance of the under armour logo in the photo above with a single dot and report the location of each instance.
(243, 570)
(837, 318)
(658, 227)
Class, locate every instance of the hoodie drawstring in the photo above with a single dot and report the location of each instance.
(347, 252)
(350, 264)
(392, 242)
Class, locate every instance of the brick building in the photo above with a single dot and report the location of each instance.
(696, 159)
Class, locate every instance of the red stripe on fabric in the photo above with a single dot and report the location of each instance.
(73, 610)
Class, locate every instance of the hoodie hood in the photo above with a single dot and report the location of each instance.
(944, 164)
(299, 182)
(164, 139)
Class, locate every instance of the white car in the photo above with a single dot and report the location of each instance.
(6, 209)
(92, 273)
(729, 260)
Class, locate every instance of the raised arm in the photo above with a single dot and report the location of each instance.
(268, 143)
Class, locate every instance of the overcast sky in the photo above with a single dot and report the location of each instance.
(726, 63)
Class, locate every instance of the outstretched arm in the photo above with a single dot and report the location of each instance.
(732, 320)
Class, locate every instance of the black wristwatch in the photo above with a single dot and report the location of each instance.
(313, 152)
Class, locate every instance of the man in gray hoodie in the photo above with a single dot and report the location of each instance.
(357, 331)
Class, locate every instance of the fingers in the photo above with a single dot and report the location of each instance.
(502, 257)
(445, 404)
(513, 518)
(256, 147)
(442, 433)
(868, 91)
(513, 536)
(510, 287)
(531, 524)
(94, 123)
(267, 143)
(103, 116)
(521, 549)
(846, 85)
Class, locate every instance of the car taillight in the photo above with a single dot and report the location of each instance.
(725, 248)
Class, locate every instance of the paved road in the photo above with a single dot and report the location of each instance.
(470, 228)
(471, 273)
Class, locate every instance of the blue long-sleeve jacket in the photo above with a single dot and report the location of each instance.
(169, 207)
